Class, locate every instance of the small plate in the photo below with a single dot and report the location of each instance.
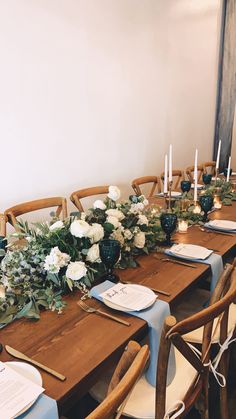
(189, 248)
(222, 225)
(28, 371)
(174, 194)
(135, 286)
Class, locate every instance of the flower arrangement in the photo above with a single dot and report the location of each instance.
(62, 256)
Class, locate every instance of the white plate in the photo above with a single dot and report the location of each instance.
(28, 371)
(225, 225)
(135, 286)
(174, 194)
(190, 252)
(199, 186)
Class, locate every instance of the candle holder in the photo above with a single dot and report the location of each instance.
(217, 202)
(170, 189)
(217, 173)
(197, 208)
(183, 226)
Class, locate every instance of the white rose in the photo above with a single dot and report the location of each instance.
(83, 216)
(99, 204)
(79, 228)
(117, 235)
(115, 213)
(139, 240)
(93, 254)
(76, 271)
(113, 220)
(142, 220)
(136, 208)
(56, 260)
(128, 235)
(2, 292)
(114, 193)
(96, 232)
(56, 226)
(145, 202)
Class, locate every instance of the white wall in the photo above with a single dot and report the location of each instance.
(93, 91)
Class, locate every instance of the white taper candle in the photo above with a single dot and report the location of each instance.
(166, 175)
(228, 171)
(218, 156)
(170, 163)
(195, 176)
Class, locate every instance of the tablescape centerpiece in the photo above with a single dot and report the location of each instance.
(62, 256)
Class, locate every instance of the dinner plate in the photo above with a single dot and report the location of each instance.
(189, 252)
(199, 186)
(223, 225)
(28, 371)
(174, 194)
(134, 286)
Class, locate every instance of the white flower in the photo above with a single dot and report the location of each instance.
(114, 193)
(128, 235)
(113, 220)
(142, 220)
(115, 213)
(56, 226)
(139, 240)
(2, 292)
(99, 204)
(145, 202)
(56, 260)
(79, 228)
(93, 254)
(96, 232)
(83, 216)
(76, 271)
(117, 235)
(136, 208)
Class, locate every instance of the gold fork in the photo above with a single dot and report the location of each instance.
(90, 309)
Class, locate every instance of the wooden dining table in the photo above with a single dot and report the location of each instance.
(82, 346)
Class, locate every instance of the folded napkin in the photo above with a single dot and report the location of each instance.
(222, 225)
(154, 316)
(43, 408)
(214, 260)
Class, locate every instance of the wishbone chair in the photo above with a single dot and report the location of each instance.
(210, 167)
(155, 187)
(190, 382)
(84, 193)
(190, 173)
(3, 220)
(177, 175)
(20, 209)
(126, 374)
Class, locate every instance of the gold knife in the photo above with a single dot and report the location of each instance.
(19, 355)
(178, 262)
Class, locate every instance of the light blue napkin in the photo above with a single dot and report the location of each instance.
(215, 261)
(154, 316)
(213, 228)
(43, 408)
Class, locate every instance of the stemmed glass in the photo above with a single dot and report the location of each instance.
(226, 172)
(206, 203)
(168, 225)
(185, 185)
(206, 177)
(109, 253)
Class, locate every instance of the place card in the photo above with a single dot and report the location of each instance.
(17, 392)
(130, 296)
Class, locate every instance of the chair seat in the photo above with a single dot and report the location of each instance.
(196, 335)
(141, 403)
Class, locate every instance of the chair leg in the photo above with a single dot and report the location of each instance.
(223, 390)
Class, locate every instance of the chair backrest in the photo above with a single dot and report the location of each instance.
(126, 374)
(84, 193)
(177, 175)
(2, 225)
(209, 167)
(190, 172)
(172, 333)
(20, 209)
(154, 180)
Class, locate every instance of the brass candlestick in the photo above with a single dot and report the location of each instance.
(217, 172)
(170, 189)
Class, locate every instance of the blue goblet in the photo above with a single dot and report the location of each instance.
(109, 250)
(206, 177)
(185, 185)
(206, 203)
(168, 225)
(226, 172)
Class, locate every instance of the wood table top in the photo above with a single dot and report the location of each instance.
(81, 345)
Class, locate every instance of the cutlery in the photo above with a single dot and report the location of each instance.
(216, 232)
(90, 309)
(19, 355)
(178, 262)
(147, 286)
